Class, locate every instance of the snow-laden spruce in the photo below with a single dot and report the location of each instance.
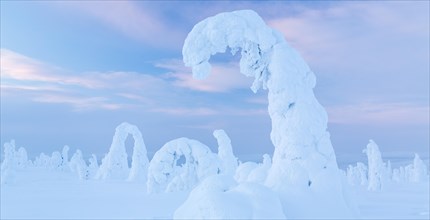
(180, 165)
(376, 166)
(304, 164)
(115, 165)
(225, 153)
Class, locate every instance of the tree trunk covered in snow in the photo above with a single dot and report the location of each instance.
(304, 162)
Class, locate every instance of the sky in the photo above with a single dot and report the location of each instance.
(72, 71)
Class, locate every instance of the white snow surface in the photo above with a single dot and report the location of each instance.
(304, 163)
(220, 197)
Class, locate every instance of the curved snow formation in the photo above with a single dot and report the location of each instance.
(115, 166)
(179, 165)
(229, 162)
(304, 162)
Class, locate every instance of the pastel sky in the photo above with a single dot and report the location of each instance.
(72, 71)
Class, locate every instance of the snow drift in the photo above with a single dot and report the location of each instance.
(304, 164)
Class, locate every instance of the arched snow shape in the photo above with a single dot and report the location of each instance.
(304, 171)
(114, 164)
(181, 164)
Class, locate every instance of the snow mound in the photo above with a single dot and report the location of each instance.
(115, 165)
(179, 165)
(220, 197)
(253, 172)
(304, 158)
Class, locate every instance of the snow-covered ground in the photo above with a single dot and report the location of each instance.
(38, 193)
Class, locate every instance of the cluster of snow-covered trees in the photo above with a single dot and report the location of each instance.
(377, 173)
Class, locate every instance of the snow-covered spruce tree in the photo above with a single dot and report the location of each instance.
(115, 165)
(376, 167)
(77, 165)
(55, 161)
(419, 171)
(229, 162)
(8, 166)
(304, 164)
(93, 167)
(65, 158)
(22, 158)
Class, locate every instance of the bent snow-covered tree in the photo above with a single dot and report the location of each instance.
(115, 164)
(304, 163)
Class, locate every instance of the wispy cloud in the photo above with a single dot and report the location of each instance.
(225, 77)
(187, 111)
(79, 103)
(134, 19)
(19, 67)
(46, 83)
(379, 113)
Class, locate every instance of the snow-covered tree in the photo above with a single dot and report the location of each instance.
(304, 163)
(115, 165)
(357, 175)
(21, 158)
(225, 153)
(179, 165)
(93, 167)
(65, 158)
(77, 165)
(8, 166)
(42, 160)
(419, 171)
(55, 161)
(375, 166)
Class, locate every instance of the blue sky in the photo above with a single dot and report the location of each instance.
(72, 71)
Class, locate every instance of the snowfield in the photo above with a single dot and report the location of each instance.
(186, 180)
(38, 193)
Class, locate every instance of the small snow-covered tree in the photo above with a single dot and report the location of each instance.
(65, 158)
(22, 158)
(93, 166)
(55, 161)
(8, 166)
(77, 165)
(419, 171)
(225, 153)
(375, 165)
(357, 175)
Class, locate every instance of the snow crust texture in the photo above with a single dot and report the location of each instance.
(304, 163)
